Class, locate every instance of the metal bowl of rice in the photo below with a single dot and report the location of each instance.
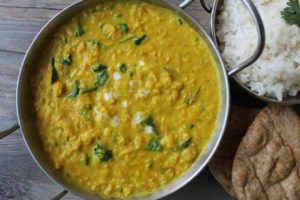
(275, 76)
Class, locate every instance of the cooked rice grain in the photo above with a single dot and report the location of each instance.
(277, 72)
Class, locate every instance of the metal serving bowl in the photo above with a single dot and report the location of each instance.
(27, 124)
(214, 11)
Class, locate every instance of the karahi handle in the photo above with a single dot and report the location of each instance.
(9, 131)
(259, 27)
(60, 195)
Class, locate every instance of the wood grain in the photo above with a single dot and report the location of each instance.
(20, 177)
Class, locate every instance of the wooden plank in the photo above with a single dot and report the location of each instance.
(20, 177)
(18, 30)
(53, 4)
(9, 68)
(58, 4)
(18, 25)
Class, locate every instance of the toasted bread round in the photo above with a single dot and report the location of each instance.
(267, 162)
(240, 119)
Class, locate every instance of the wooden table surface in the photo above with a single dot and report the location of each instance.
(20, 177)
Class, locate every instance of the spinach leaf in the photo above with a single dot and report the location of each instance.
(148, 122)
(92, 42)
(125, 39)
(65, 40)
(185, 144)
(154, 145)
(75, 90)
(67, 61)
(179, 21)
(123, 68)
(118, 15)
(191, 126)
(102, 78)
(79, 30)
(190, 100)
(102, 153)
(99, 68)
(167, 69)
(54, 73)
(85, 159)
(140, 40)
(163, 170)
(89, 89)
(102, 28)
(123, 28)
(150, 163)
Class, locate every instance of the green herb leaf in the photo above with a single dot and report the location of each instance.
(67, 61)
(118, 15)
(291, 14)
(179, 21)
(79, 30)
(99, 68)
(102, 78)
(150, 164)
(102, 28)
(102, 153)
(125, 39)
(54, 73)
(123, 68)
(185, 144)
(75, 90)
(140, 40)
(65, 40)
(154, 145)
(92, 42)
(85, 159)
(190, 100)
(163, 170)
(166, 68)
(89, 89)
(147, 121)
(191, 126)
(123, 28)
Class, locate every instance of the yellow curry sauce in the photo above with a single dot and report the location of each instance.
(125, 98)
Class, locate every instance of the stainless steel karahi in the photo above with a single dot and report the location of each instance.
(26, 123)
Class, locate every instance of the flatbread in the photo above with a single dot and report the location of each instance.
(266, 165)
(240, 119)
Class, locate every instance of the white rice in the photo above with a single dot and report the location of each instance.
(277, 72)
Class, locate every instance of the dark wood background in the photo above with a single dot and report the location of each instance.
(20, 177)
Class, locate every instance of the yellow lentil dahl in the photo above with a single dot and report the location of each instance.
(125, 97)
